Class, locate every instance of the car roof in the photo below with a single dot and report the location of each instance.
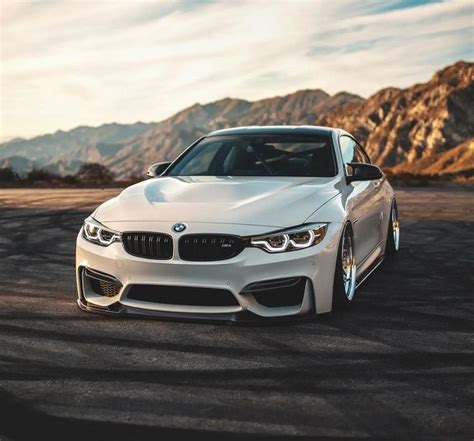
(276, 130)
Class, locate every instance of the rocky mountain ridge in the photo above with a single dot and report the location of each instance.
(425, 128)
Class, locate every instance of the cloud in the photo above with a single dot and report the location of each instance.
(73, 63)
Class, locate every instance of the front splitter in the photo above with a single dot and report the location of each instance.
(243, 317)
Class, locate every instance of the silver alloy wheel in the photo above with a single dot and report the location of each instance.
(395, 226)
(348, 263)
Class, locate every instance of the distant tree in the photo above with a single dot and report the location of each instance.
(93, 173)
(133, 179)
(8, 175)
(40, 174)
(70, 180)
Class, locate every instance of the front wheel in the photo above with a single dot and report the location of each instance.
(345, 274)
(393, 234)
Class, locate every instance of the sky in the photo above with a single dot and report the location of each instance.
(66, 63)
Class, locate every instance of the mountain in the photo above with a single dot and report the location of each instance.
(18, 163)
(457, 160)
(402, 126)
(77, 145)
(423, 127)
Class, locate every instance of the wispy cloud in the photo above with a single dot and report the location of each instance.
(82, 62)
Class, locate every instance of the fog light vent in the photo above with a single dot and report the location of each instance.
(102, 284)
(278, 293)
(109, 289)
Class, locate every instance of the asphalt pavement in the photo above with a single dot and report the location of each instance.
(398, 364)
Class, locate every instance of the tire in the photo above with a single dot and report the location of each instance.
(345, 274)
(393, 234)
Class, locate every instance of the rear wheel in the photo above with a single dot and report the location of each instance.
(345, 274)
(393, 234)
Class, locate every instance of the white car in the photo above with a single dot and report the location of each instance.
(250, 223)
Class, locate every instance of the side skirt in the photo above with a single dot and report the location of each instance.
(370, 270)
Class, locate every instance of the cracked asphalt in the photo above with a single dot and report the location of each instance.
(399, 364)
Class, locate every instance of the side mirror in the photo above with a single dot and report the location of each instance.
(157, 169)
(363, 172)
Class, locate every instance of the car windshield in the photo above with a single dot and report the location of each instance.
(258, 155)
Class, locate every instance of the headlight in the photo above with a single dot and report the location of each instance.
(95, 232)
(296, 238)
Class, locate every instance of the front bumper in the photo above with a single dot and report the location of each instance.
(313, 266)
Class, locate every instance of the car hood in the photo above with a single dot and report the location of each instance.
(265, 201)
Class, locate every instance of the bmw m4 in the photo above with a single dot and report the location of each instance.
(250, 223)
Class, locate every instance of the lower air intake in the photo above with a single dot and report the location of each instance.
(181, 295)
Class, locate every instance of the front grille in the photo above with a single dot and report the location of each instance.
(148, 245)
(182, 295)
(278, 292)
(209, 247)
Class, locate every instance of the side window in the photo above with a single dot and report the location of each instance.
(360, 155)
(348, 147)
(351, 151)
